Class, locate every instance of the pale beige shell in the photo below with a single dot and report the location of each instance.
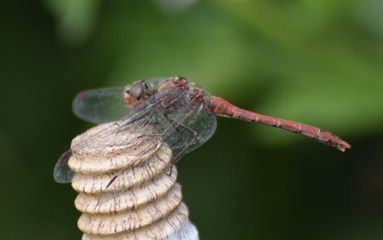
(143, 202)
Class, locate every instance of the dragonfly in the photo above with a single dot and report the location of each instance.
(181, 111)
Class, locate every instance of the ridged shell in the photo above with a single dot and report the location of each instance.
(143, 202)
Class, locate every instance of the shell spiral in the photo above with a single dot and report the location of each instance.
(143, 201)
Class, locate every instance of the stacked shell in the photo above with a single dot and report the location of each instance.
(127, 186)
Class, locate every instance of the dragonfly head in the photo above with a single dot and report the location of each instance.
(135, 93)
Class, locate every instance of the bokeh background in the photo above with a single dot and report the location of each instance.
(318, 62)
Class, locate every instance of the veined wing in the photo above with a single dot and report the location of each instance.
(100, 105)
(184, 124)
(104, 104)
(63, 174)
(140, 115)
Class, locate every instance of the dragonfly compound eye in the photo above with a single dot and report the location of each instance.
(135, 93)
(137, 90)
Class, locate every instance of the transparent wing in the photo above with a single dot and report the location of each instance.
(100, 105)
(88, 105)
(104, 104)
(189, 128)
(183, 122)
(62, 173)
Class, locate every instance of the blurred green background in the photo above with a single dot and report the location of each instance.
(318, 62)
